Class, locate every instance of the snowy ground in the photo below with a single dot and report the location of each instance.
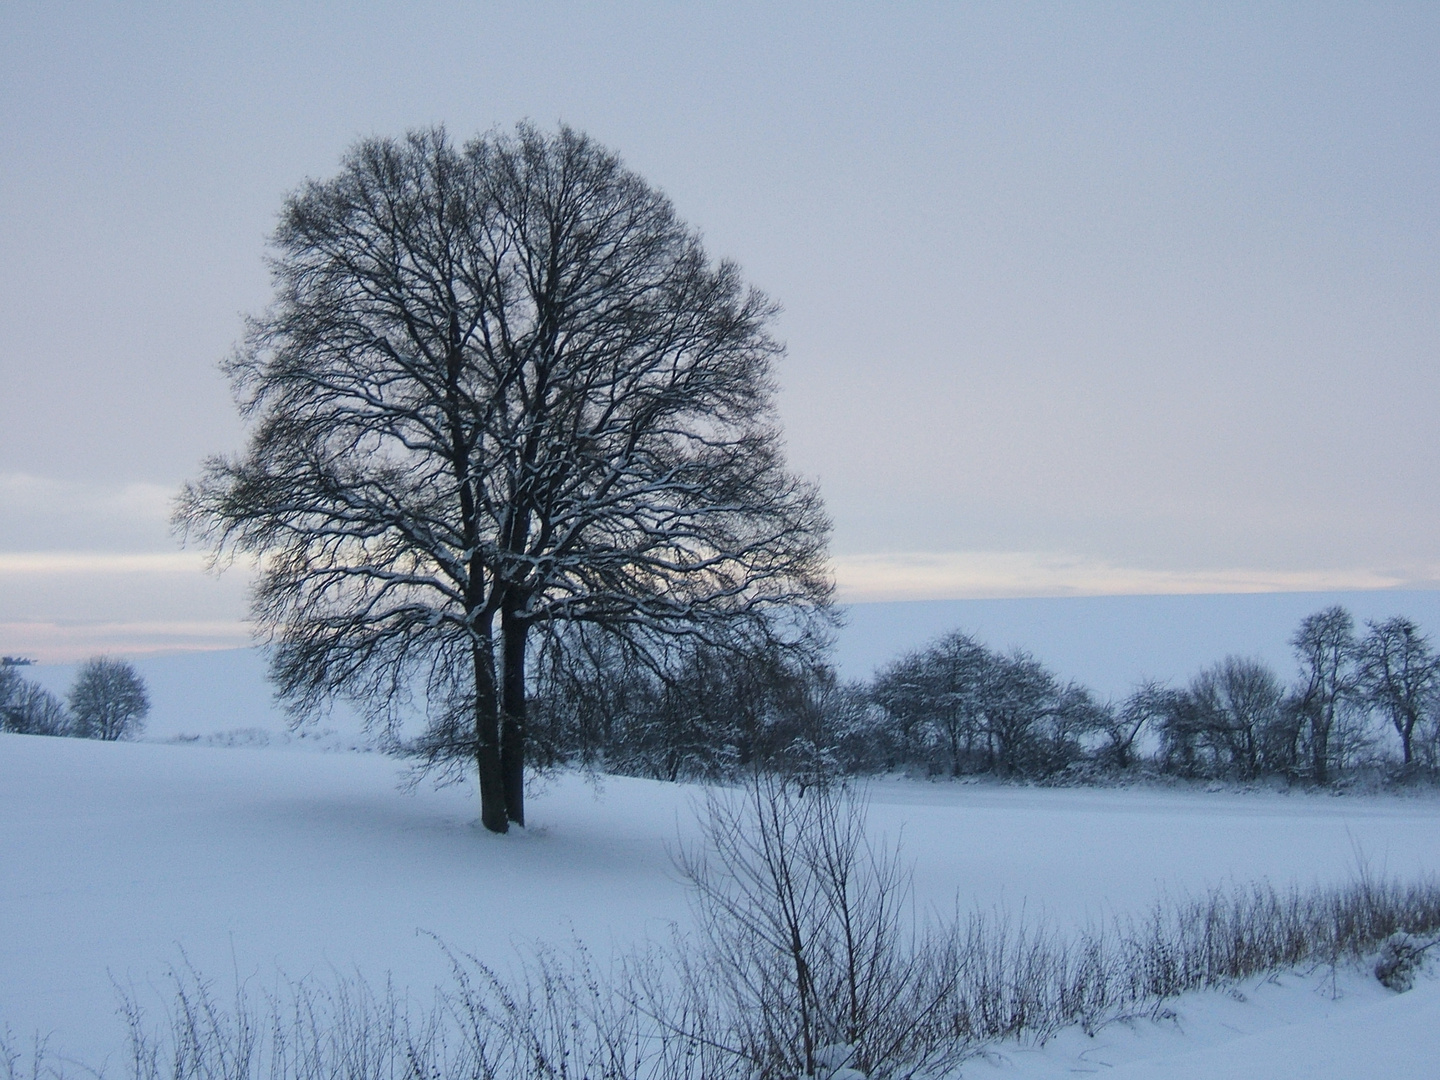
(1295, 1026)
(115, 858)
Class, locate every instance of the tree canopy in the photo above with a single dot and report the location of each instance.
(502, 387)
(108, 700)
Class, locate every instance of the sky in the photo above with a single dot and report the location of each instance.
(1079, 299)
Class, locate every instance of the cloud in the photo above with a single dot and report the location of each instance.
(61, 643)
(42, 513)
(27, 491)
(30, 563)
(57, 605)
(961, 575)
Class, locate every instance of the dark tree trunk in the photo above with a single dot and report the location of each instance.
(1320, 746)
(487, 743)
(513, 632)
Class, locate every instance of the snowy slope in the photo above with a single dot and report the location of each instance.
(1295, 1026)
(116, 857)
(204, 694)
(1111, 642)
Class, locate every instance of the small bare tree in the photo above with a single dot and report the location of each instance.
(108, 700)
(1019, 696)
(809, 936)
(1237, 704)
(1325, 647)
(1145, 707)
(937, 692)
(1399, 674)
(11, 685)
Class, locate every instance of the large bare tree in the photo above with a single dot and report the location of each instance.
(501, 387)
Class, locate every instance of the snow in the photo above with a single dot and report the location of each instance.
(1304, 1026)
(220, 695)
(121, 859)
(1110, 643)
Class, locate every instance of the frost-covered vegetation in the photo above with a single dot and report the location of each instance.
(807, 958)
(107, 701)
(1366, 700)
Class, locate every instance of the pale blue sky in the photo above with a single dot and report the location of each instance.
(1095, 298)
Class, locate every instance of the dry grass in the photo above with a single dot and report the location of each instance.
(808, 957)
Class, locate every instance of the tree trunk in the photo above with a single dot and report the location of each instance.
(513, 632)
(487, 743)
(1320, 745)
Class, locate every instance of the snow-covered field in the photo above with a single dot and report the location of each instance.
(117, 860)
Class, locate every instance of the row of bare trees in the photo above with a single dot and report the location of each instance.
(108, 701)
(1358, 698)
(707, 712)
(957, 707)
(693, 711)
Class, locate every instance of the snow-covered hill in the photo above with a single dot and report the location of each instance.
(1111, 642)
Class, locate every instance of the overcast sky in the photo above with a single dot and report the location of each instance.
(1078, 298)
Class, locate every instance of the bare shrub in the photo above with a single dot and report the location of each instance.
(808, 943)
(28, 709)
(39, 1063)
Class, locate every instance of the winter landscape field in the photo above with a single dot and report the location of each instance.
(745, 541)
(306, 859)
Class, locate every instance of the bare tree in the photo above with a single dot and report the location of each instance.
(1020, 694)
(1237, 704)
(10, 687)
(937, 691)
(958, 705)
(108, 700)
(27, 709)
(1399, 675)
(1325, 646)
(1145, 707)
(503, 387)
(1075, 716)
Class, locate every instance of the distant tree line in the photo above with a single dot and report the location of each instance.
(956, 707)
(107, 701)
(1359, 698)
